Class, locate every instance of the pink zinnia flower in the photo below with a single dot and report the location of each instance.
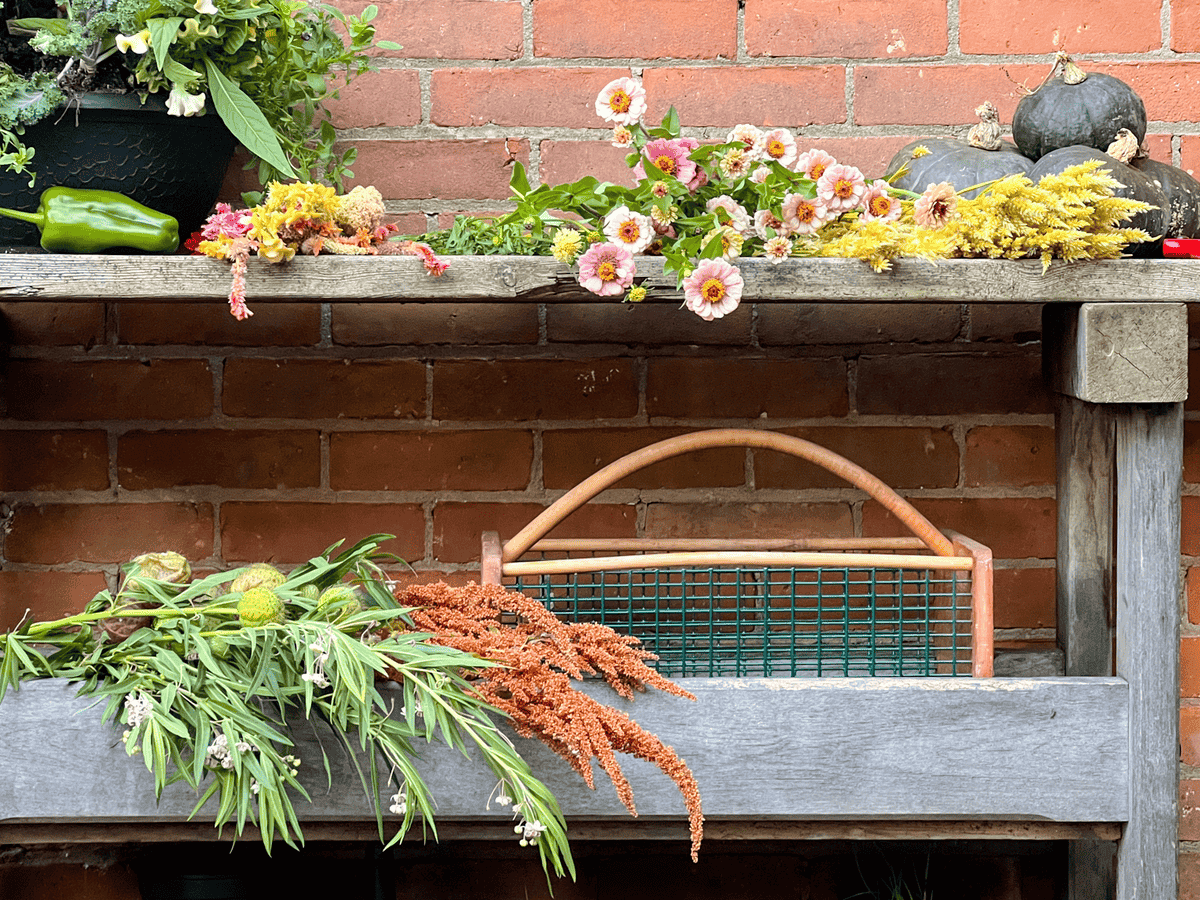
(713, 290)
(749, 137)
(224, 221)
(937, 206)
(739, 219)
(606, 269)
(780, 146)
(878, 205)
(777, 249)
(700, 178)
(804, 215)
(814, 163)
(669, 156)
(631, 230)
(841, 188)
(765, 220)
(622, 136)
(622, 100)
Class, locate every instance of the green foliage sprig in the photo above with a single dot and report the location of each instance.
(265, 66)
(208, 699)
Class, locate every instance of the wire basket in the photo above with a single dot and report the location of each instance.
(918, 605)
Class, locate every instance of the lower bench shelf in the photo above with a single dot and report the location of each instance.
(1038, 757)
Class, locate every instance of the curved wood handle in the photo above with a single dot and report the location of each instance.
(727, 437)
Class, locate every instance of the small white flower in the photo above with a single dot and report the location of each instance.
(135, 43)
(503, 799)
(138, 709)
(205, 7)
(253, 786)
(244, 746)
(181, 103)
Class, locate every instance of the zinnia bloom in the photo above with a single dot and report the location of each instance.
(731, 240)
(606, 269)
(777, 249)
(631, 230)
(814, 163)
(671, 157)
(623, 101)
(749, 137)
(804, 215)
(713, 290)
(937, 206)
(622, 136)
(841, 188)
(566, 245)
(735, 163)
(765, 221)
(878, 204)
(779, 145)
(739, 218)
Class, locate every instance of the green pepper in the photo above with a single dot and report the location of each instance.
(75, 220)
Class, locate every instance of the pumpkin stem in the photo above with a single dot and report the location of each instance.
(1126, 147)
(1071, 73)
(986, 135)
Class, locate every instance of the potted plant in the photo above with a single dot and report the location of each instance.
(254, 72)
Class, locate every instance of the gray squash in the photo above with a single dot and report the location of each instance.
(957, 162)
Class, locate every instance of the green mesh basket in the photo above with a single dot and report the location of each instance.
(918, 605)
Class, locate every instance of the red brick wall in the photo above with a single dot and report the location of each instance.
(138, 427)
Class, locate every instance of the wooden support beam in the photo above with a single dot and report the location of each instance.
(1149, 465)
(1084, 436)
(1117, 352)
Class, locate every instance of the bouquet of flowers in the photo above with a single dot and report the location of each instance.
(701, 207)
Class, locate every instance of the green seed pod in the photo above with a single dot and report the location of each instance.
(310, 592)
(344, 597)
(258, 575)
(260, 606)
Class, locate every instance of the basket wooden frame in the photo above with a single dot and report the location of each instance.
(926, 549)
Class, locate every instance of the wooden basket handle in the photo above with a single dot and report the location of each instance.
(937, 542)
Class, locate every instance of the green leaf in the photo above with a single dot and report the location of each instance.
(162, 36)
(246, 120)
(519, 183)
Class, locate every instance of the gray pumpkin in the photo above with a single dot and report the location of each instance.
(957, 162)
(1134, 186)
(1076, 108)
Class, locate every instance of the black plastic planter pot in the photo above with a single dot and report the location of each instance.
(113, 142)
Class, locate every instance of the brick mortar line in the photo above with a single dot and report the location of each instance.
(204, 493)
(222, 422)
(953, 57)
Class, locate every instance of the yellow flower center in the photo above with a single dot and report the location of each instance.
(620, 101)
(843, 188)
(880, 206)
(713, 290)
(805, 212)
(629, 232)
(775, 148)
(665, 163)
(607, 271)
(817, 171)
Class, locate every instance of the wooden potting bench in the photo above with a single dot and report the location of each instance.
(1090, 756)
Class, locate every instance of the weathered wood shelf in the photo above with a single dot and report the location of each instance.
(1090, 755)
(38, 277)
(782, 750)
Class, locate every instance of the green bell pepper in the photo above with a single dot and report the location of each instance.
(75, 220)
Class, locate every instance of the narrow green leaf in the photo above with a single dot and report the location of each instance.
(245, 120)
